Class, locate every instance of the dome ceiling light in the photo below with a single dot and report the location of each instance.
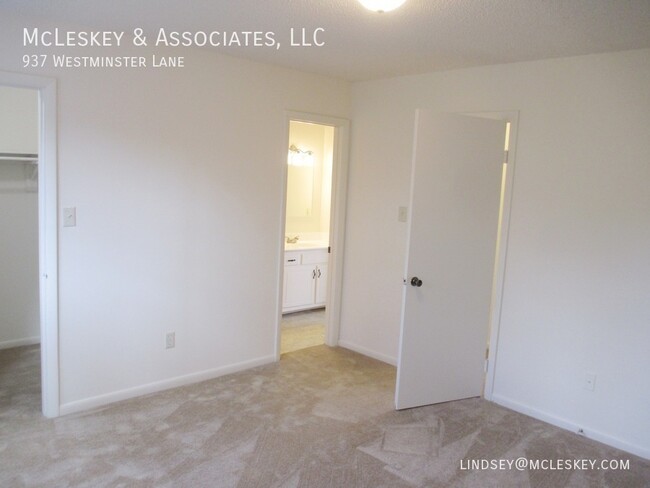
(381, 5)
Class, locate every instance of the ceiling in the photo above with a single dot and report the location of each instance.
(421, 36)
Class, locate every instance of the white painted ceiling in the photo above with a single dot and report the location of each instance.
(421, 36)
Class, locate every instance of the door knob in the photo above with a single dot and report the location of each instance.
(415, 281)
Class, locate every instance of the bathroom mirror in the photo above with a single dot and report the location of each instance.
(309, 181)
(300, 191)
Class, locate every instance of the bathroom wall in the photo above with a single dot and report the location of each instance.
(326, 180)
(19, 306)
(310, 183)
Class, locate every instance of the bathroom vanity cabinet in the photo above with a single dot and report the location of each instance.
(305, 279)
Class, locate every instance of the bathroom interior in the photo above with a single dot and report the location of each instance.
(307, 232)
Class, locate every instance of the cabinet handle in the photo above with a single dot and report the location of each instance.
(313, 274)
(319, 272)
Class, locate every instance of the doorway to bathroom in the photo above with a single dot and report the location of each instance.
(315, 170)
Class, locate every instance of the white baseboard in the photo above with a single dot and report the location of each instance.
(28, 341)
(367, 352)
(637, 450)
(100, 400)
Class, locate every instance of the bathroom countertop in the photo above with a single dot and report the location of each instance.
(306, 246)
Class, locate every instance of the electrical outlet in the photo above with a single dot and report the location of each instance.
(70, 217)
(170, 340)
(590, 381)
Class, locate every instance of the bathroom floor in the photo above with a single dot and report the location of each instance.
(302, 329)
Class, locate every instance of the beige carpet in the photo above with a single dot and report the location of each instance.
(321, 418)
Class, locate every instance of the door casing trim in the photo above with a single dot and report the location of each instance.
(340, 165)
(511, 116)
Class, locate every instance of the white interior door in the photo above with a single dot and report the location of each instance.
(455, 195)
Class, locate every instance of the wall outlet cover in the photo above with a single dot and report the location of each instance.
(590, 381)
(70, 217)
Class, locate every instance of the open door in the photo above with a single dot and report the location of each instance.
(455, 197)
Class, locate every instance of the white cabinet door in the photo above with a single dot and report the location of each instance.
(305, 280)
(299, 283)
(321, 284)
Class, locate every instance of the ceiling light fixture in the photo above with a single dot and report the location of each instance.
(381, 5)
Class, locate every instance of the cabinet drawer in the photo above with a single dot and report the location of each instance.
(316, 256)
(291, 258)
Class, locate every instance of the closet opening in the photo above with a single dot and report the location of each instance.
(20, 334)
(29, 316)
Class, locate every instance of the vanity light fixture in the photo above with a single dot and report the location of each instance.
(300, 157)
(381, 5)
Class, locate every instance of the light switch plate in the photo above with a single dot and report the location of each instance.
(70, 217)
(170, 340)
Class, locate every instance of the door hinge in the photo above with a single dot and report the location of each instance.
(329, 249)
(505, 157)
(487, 363)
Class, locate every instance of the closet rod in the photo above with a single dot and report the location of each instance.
(30, 158)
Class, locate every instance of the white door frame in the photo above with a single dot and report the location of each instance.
(337, 222)
(47, 233)
(502, 246)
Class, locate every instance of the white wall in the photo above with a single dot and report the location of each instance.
(19, 308)
(176, 177)
(18, 120)
(326, 181)
(578, 267)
